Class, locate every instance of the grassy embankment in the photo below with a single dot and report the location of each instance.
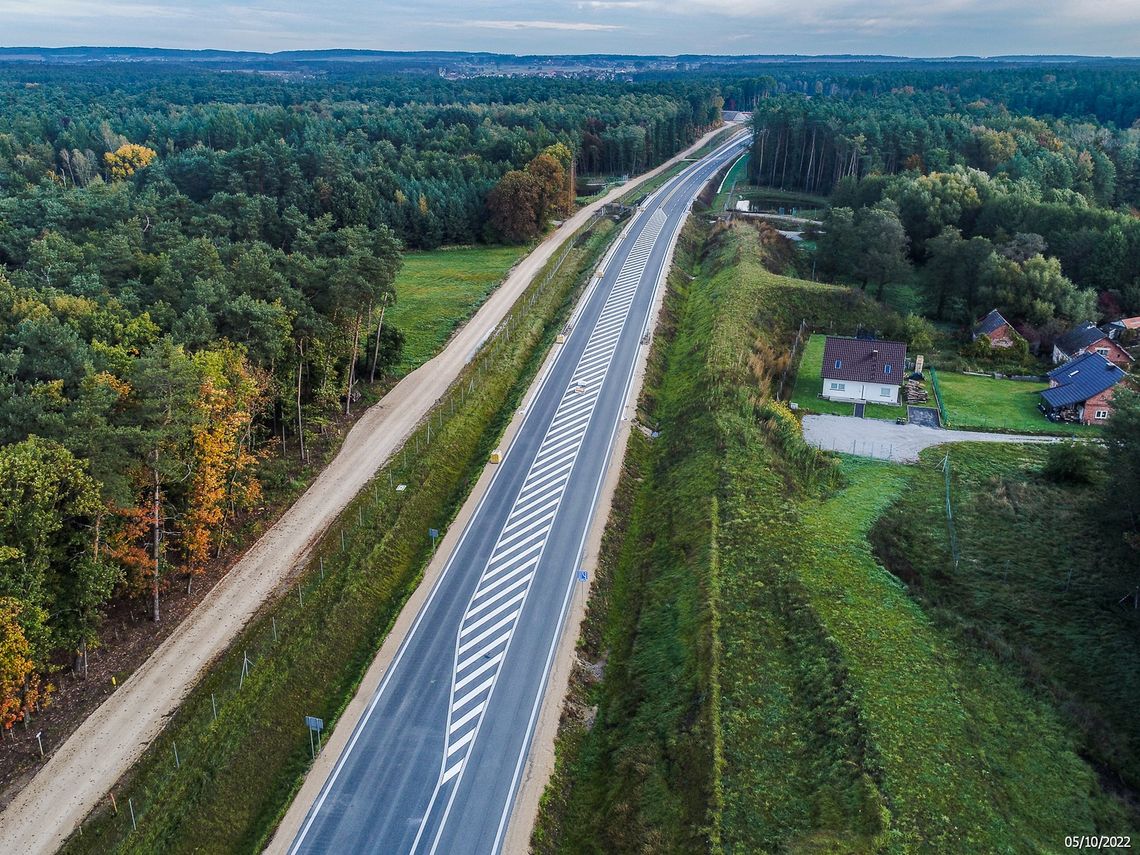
(1039, 587)
(768, 685)
(308, 651)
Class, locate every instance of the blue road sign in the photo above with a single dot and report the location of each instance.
(583, 575)
(314, 723)
(433, 533)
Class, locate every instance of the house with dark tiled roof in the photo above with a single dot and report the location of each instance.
(997, 329)
(1088, 338)
(860, 369)
(1081, 390)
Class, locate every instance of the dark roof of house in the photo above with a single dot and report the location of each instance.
(1079, 337)
(1080, 379)
(864, 360)
(992, 321)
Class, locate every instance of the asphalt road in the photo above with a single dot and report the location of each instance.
(434, 763)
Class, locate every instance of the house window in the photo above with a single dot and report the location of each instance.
(886, 369)
(1103, 351)
(1101, 415)
(839, 363)
(838, 387)
(885, 392)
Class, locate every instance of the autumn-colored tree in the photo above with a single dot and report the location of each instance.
(128, 159)
(222, 479)
(19, 684)
(550, 178)
(513, 206)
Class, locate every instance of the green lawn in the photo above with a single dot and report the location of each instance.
(809, 382)
(983, 403)
(437, 291)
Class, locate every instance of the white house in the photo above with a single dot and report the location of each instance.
(859, 369)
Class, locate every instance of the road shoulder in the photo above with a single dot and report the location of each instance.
(353, 713)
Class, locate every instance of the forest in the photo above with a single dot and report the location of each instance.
(1010, 189)
(194, 270)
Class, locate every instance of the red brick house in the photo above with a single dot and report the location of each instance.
(1089, 338)
(1081, 390)
(997, 329)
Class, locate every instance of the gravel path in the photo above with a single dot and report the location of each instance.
(889, 441)
(107, 744)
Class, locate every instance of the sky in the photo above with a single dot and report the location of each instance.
(897, 27)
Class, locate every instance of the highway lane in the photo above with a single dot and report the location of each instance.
(433, 765)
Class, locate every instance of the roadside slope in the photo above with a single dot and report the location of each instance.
(766, 685)
(105, 746)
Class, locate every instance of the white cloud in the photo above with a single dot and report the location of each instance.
(570, 26)
(64, 9)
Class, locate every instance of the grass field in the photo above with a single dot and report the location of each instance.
(436, 292)
(983, 403)
(809, 382)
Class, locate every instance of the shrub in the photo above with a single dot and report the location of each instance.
(1071, 463)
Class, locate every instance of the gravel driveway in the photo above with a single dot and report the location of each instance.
(889, 441)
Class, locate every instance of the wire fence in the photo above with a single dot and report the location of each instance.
(791, 359)
(938, 397)
(950, 527)
(196, 747)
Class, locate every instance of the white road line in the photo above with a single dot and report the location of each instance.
(461, 741)
(480, 653)
(519, 550)
(552, 504)
(494, 613)
(497, 588)
(487, 633)
(472, 694)
(468, 716)
(453, 771)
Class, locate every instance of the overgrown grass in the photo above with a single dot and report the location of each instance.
(969, 760)
(438, 291)
(308, 651)
(809, 383)
(750, 622)
(983, 403)
(1038, 587)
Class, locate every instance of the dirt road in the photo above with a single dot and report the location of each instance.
(105, 746)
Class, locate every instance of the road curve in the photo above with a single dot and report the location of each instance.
(433, 765)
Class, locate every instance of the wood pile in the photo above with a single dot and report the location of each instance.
(915, 393)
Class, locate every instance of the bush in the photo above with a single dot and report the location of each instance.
(1071, 463)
